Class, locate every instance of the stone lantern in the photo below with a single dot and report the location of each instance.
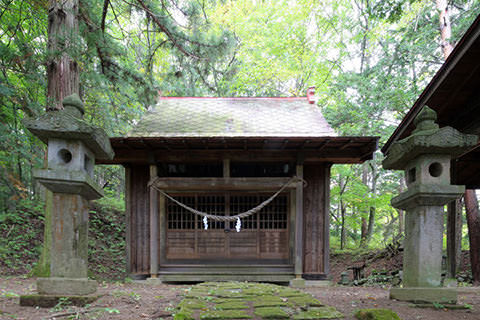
(425, 156)
(73, 146)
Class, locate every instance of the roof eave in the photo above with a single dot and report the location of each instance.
(470, 36)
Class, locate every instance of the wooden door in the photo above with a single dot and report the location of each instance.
(263, 235)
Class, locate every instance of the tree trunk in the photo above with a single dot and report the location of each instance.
(445, 27)
(62, 81)
(62, 70)
(342, 231)
(371, 216)
(364, 227)
(473, 221)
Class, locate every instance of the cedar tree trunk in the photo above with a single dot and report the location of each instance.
(62, 81)
(473, 221)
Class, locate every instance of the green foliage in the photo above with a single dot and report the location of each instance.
(20, 240)
(107, 241)
(368, 59)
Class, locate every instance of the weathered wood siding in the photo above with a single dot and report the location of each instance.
(139, 244)
(316, 221)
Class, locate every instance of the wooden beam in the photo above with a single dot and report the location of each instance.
(154, 223)
(298, 261)
(199, 184)
(333, 155)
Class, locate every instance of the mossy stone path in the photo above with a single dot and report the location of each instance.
(243, 300)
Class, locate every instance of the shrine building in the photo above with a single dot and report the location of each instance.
(267, 159)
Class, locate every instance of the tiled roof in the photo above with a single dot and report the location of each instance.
(233, 117)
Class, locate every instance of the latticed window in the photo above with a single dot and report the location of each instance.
(273, 216)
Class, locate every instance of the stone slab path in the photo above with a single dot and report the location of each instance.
(242, 300)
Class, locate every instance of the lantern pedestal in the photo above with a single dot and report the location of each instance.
(73, 146)
(425, 156)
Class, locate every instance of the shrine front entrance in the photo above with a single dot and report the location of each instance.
(263, 238)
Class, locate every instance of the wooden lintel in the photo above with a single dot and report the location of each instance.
(333, 155)
(199, 184)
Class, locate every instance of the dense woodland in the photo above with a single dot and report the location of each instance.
(369, 60)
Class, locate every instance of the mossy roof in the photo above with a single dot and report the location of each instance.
(233, 117)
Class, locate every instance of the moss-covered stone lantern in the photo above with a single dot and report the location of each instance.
(425, 156)
(73, 146)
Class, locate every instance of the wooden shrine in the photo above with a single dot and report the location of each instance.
(224, 156)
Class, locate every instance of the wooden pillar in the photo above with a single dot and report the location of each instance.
(226, 168)
(299, 223)
(326, 221)
(226, 174)
(163, 228)
(154, 223)
(128, 220)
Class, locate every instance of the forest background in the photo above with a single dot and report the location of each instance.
(368, 59)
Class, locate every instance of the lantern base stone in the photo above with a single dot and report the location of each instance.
(425, 295)
(66, 286)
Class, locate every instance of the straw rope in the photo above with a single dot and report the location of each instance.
(225, 218)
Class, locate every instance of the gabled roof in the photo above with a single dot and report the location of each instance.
(233, 117)
(242, 129)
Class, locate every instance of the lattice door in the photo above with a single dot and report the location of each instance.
(263, 235)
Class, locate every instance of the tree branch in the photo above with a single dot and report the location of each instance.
(104, 14)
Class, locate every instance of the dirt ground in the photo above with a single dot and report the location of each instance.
(138, 301)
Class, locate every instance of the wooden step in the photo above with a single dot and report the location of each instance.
(198, 273)
(181, 277)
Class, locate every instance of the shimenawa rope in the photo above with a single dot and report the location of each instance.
(242, 215)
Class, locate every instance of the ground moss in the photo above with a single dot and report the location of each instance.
(305, 301)
(224, 314)
(258, 291)
(319, 313)
(228, 293)
(376, 314)
(184, 314)
(271, 313)
(192, 304)
(231, 305)
(269, 301)
(287, 293)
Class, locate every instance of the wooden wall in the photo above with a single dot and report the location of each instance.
(138, 220)
(315, 222)
(316, 202)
